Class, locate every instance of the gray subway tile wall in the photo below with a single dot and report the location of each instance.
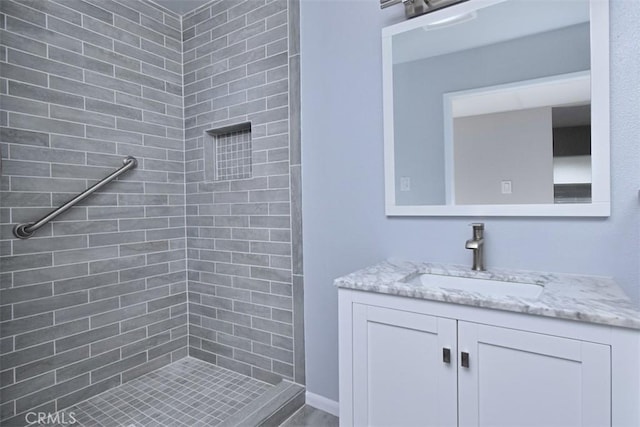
(97, 297)
(162, 262)
(242, 311)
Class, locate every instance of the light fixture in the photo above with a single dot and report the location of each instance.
(451, 21)
(413, 8)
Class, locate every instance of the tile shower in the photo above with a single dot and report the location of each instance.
(178, 257)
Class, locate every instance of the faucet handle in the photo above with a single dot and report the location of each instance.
(478, 230)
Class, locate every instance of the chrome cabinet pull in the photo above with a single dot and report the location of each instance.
(446, 355)
(464, 359)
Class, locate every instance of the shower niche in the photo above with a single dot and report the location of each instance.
(227, 153)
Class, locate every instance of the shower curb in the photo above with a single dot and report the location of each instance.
(272, 408)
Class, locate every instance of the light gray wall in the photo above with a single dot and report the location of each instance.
(418, 135)
(514, 146)
(343, 208)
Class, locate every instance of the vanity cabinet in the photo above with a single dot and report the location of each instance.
(399, 378)
(519, 378)
(406, 362)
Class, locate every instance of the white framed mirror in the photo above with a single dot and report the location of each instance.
(498, 108)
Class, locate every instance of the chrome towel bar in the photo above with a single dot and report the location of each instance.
(26, 230)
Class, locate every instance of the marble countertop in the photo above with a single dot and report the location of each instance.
(583, 298)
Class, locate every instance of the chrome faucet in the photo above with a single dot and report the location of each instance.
(477, 245)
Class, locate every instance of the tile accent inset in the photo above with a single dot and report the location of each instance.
(233, 155)
(228, 153)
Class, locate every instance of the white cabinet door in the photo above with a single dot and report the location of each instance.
(517, 378)
(399, 375)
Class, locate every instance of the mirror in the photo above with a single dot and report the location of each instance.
(498, 107)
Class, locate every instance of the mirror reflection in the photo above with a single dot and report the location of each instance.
(493, 107)
(526, 142)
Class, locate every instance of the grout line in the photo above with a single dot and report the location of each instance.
(184, 182)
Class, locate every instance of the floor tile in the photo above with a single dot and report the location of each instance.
(187, 393)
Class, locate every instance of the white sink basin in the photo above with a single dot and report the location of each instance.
(488, 287)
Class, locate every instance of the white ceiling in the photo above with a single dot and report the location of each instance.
(181, 6)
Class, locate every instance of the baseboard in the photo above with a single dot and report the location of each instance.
(322, 403)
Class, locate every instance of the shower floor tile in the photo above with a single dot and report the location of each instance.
(188, 393)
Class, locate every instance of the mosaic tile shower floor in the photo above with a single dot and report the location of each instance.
(189, 393)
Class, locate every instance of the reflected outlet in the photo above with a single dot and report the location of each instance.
(506, 187)
(405, 183)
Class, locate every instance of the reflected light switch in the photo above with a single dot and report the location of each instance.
(506, 187)
(405, 183)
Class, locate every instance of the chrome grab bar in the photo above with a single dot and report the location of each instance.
(26, 230)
